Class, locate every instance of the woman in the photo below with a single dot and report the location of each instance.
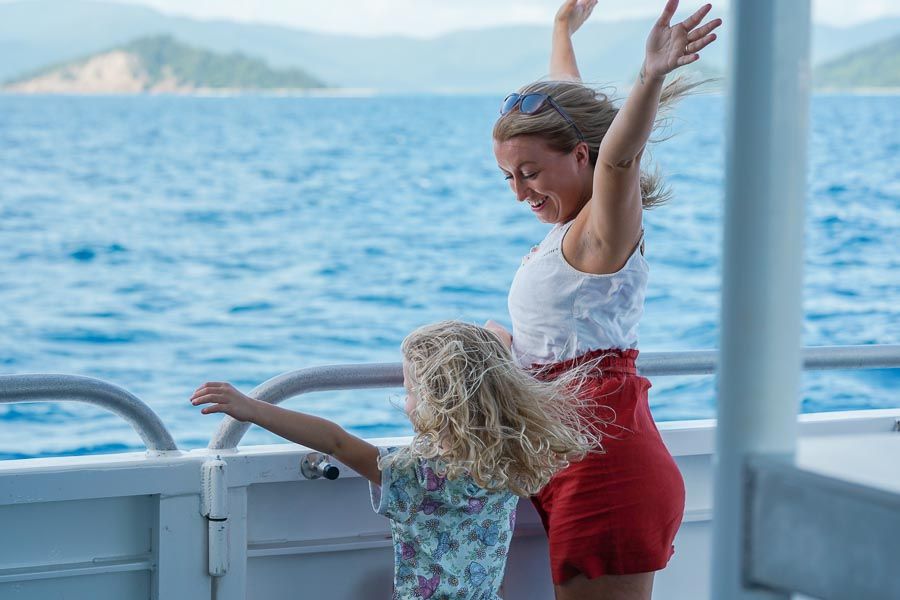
(576, 159)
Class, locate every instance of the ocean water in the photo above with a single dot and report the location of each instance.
(160, 242)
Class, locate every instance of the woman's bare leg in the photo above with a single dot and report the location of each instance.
(609, 587)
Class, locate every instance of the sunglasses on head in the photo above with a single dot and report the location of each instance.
(532, 104)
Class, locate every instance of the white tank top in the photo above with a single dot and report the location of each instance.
(559, 312)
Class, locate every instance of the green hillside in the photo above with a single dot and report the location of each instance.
(204, 69)
(875, 66)
(162, 58)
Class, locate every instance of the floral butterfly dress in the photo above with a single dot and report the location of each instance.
(451, 537)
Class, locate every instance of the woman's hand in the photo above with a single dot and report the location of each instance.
(573, 13)
(500, 331)
(225, 398)
(672, 46)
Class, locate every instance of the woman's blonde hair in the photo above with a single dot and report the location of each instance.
(481, 415)
(593, 112)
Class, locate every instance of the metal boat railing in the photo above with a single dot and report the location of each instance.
(650, 364)
(305, 381)
(148, 425)
(75, 388)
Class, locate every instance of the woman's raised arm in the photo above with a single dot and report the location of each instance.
(570, 16)
(616, 203)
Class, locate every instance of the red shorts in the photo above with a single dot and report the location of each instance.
(616, 512)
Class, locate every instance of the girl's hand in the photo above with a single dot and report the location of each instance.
(573, 13)
(224, 398)
(672, 46)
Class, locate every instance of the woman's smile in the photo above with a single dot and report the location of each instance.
(537, 204)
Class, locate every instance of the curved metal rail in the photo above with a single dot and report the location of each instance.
(37, 388)
(698, 362)
(305, 381)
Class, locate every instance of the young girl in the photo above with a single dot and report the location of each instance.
(575, 158)
(485, 433)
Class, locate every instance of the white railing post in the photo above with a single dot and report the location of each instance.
(760, 364)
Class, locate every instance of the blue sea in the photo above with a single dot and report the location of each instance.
(160, 242)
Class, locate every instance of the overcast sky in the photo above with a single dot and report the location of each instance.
(425, 18)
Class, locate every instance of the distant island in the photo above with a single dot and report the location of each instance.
(158, 65)
(873, 67)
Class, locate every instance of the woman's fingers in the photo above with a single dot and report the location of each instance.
(688, 59)
(665, 19)
(575, 12)
(699, 45)
(566, 9)
(694, 20)
(704, 30)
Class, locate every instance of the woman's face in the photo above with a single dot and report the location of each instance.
(556, 185)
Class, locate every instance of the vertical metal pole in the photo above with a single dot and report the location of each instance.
(760, 366)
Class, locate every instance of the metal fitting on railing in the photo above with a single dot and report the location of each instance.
(315, 465)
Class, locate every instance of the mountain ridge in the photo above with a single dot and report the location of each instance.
(874, 67)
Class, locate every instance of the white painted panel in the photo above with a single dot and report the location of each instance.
(233, 585)
(49, 533)
(133, 585)
(179, 550)
(311, 509)
(697, 473)
(104, 476)
(687, 576)
(364, 574)
(527, 569)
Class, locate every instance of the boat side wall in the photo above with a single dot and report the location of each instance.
(130, 525)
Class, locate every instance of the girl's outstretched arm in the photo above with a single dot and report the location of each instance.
(616, 204)
(571, 15)
(307, 430)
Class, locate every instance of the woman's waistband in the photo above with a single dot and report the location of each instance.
(613, 360)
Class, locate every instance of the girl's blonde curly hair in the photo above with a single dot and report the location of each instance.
(479, 414)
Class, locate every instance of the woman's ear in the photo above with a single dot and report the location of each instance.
(582, 154)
